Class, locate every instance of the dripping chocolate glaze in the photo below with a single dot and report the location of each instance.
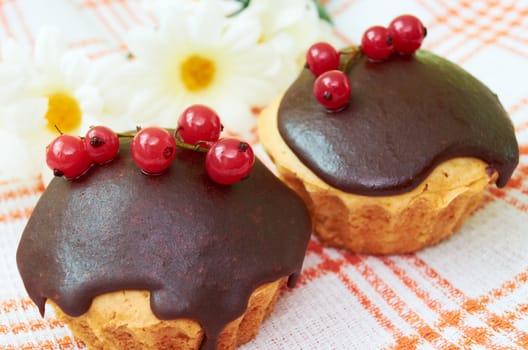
(405, 116)
(201, 249)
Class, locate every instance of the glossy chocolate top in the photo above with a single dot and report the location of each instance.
(200, 248)
(405, 116)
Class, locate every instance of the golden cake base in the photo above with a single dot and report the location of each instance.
(124, 320)
(380, 225)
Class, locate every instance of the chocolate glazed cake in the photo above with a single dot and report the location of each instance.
(199, 248)
(406, 116)
(404, 163)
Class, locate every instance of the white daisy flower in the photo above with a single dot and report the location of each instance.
(291, 27)
(198, 55)
(284, 29)
(54, 90)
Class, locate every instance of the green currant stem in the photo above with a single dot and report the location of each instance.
(188, 146)
(196, 147)
(351, 53)
(125, 134)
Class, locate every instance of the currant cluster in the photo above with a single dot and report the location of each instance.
(404, 35)
(71, 156)
(153, 148)
(227, 160)
(331, 87)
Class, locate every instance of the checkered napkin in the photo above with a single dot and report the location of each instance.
(468, 292)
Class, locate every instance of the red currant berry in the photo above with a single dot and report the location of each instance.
(322, 57)
(377, 43)
(229, 161)
(102, 144)
(199, 123)
(407, 34)
(332, 90)
(153, 149)
(67, 155)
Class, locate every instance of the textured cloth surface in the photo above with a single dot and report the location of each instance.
(470, 291)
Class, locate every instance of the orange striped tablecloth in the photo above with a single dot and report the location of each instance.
(469, 292)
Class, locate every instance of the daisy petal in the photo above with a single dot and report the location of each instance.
(20, 166)
(49, 47)
(13, 53)
(25, 114)
(206, 25)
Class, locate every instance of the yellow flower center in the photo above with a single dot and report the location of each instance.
(63, 113)
(197, 72)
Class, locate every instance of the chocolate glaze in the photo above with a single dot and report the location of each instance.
(406, 115)
(200, 248)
